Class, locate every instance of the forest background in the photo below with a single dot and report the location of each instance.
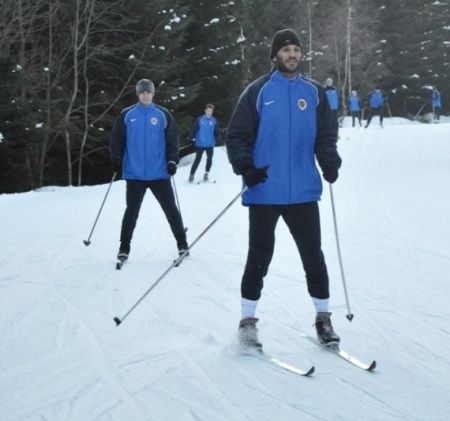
(67, 67)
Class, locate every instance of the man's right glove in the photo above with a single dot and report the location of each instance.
(330, 174)
(253, 176)
(171, 168)
(116, 165)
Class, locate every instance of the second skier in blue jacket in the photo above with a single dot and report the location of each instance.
(144, 145)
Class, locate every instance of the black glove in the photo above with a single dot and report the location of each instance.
(254, 176)
(330, 174)
(116, 165)
(171, 168)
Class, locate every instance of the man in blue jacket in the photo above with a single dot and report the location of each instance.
(280, 125)
(144, 145)
(354, 106)
(204, 133)
(376, 103)
(436, 103)
(332, 96)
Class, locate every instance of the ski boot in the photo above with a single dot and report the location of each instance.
(248, 335)
(122, 256)
(191, 178)
(182, 247)
(325, 332)
(206, 176)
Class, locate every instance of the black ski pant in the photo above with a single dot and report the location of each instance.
(356, 114)
(437, 113)
(373, 112)
(303, 221)
(162, 190)
(198, 157)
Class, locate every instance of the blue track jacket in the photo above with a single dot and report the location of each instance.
(376, 99)
(285, 124)
(144, 139)
(205, 132)
(333, 97)
(354, 104)
(436, 98)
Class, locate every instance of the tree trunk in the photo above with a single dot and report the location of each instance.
(348, 60)
(86, 94)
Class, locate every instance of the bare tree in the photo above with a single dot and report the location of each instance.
(102, 22)
(306, 14)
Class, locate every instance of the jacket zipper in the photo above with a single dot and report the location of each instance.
(290, 141)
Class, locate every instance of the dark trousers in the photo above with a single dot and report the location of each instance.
(355, 114)
(303, 221)
(375, 111)
(198, 157)
(436, 112)
(162, 190)
(336, 114)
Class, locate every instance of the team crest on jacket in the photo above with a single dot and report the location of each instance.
(154, 121)
(302, 104)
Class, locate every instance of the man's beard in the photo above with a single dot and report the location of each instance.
(285, 69)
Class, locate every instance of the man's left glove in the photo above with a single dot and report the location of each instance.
(330, 174)
(171, 168)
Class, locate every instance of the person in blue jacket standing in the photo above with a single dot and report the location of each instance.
(332, 96)
(144, 147)
(376, 103)
(204, 134)
(436, 103)
(354, 106)
(280, 125)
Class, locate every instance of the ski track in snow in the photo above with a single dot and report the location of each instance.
(176, 356)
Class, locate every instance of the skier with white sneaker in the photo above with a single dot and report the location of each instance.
(280, 125)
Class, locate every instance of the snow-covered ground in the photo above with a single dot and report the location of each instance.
(175, 356)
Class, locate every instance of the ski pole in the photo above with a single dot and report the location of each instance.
(176, 199)
(389, 109)
(349, 314)
(180, 258)
(87, 242)
(418, 112)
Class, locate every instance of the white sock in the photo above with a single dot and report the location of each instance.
(248, 308)
(322, 305)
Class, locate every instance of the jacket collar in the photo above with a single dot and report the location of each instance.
(140, 106)
(278, 77)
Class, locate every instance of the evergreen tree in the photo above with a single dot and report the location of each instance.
(415, 52)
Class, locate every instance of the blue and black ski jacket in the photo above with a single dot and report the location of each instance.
(354, 104)
(376, 99)
(285, 124)
(333, 97)
(436, 98)
(205, 132)
(144, 139)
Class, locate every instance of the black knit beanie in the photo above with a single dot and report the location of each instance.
(282, 38)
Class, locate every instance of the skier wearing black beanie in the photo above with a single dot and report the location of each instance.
(280, 125)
